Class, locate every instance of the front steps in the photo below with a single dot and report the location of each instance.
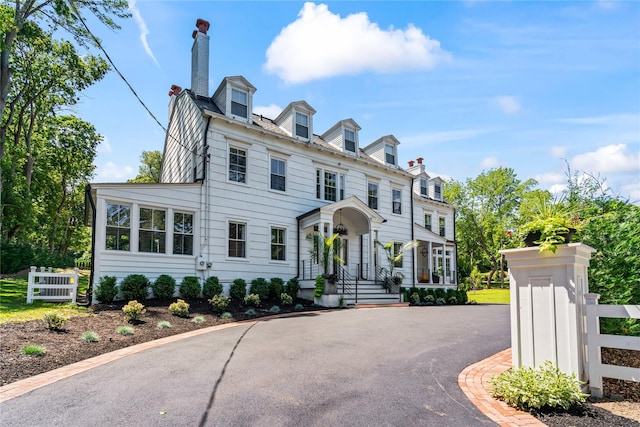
(369, 293)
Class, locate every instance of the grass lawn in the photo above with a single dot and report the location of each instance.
(13, 301)
(489, 296)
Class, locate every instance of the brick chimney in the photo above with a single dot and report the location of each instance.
(200, 59)
(411, 162)
(419, 160)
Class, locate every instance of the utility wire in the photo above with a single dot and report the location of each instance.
(97, 42)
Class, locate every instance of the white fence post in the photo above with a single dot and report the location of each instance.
(52, 286)
(594, 358)
(31, 282)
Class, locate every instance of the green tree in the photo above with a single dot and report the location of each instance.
(486, 208)
(149, 169)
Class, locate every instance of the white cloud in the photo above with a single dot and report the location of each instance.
(558, 151)
(144, 31)
(613, 158)
(612, 119)
(490, 162)
(104, 146)
(322, 44)
(111, 172)
(271, 111)
(508, 104)
(551, 178)
(557, 189)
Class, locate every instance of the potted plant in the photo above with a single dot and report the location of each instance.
(326, 249)
(393, 279)
(550, 225)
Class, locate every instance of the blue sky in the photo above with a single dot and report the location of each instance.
(468, 86)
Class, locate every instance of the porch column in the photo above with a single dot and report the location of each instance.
(444, 264)
(430, 262)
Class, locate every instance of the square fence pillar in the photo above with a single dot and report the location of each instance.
(547, 306)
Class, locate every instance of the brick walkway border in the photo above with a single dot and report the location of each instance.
(474, 382)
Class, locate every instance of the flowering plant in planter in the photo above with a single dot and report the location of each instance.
(551, 225)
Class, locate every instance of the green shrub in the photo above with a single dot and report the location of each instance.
(164, 287)
(90, 336)
(276, 287)
(227, 315)
(292, 287)
(415, 297)
(285, 299)
(54, 321)
(429, 299)
(133, 311)
(198, 319)
(440, 301)
(190, 287)
(238, 290)
(219, 303)
(250, 312)
(275, 309)
(462, 296)
(135, 287)
(252, 300)
(439, 293)
(211, 288)
(107, 290)
(452, 300)
(260, 287)
(163, 324)
(179, 308)
(319, 290)
(124, 330)
(33, 350)
(20, 256)
(298, 307)
(526, 388)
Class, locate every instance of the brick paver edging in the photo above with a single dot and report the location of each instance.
(474, 382)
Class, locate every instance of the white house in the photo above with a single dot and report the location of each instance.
(240, 193)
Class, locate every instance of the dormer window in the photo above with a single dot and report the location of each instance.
(390, 154)
(302, 125)
(349, 140)
(239, 103)
(423, 187)
(437, 192)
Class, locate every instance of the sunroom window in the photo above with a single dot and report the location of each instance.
(118, 227)
(302, 125)
(182, 233)
(239, 103)
(152, 234)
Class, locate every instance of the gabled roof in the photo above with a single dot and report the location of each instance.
(234, 81)
(386, 139)
(346, 123)
(298, 105)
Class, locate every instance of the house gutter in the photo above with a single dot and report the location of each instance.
(89, 198)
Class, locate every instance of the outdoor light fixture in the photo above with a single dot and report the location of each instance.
(340, 229)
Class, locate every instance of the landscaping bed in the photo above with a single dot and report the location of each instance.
(65, 347)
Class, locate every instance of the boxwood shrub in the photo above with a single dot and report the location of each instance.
(164, 287)
(135, 287)
(238, 290)
(211, 288)
(107, 290)
(260, 287)
(190, 287)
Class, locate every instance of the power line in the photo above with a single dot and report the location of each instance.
(97, 42)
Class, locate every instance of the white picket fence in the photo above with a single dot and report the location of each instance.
(595, 341)
(49, 286)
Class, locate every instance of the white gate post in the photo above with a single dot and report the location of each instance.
(547, 306)
(593, 331)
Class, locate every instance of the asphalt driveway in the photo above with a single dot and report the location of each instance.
(357, 367)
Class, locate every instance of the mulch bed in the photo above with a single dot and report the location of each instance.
(65, 347)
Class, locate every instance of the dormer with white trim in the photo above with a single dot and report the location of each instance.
(435, 188)
(234, 97)
(343, 136)
(384, 150)
(297, 120)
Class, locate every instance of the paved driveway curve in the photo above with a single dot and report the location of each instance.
(359, 367)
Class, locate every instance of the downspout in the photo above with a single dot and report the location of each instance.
(298, 248)
(93, 243)
(413, 255)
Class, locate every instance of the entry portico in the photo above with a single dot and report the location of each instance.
(357, 226)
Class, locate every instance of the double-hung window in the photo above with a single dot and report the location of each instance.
(237, 165)
(372, 195)
(396, 196)
(118, 227)
(390, 154)
(152, 232)
(239, 103)
(302, 125)
(349, 140)
(427, 221)
(341, 186)
(423, 187)
(237, 240)
(182, 233)
(441, 223)
(437, 192)
(278, 177)
(278, 244)
(327, 185)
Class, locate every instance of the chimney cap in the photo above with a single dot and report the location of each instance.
(411, 162)
(175, 90)
(419, 160)
(203, 27)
